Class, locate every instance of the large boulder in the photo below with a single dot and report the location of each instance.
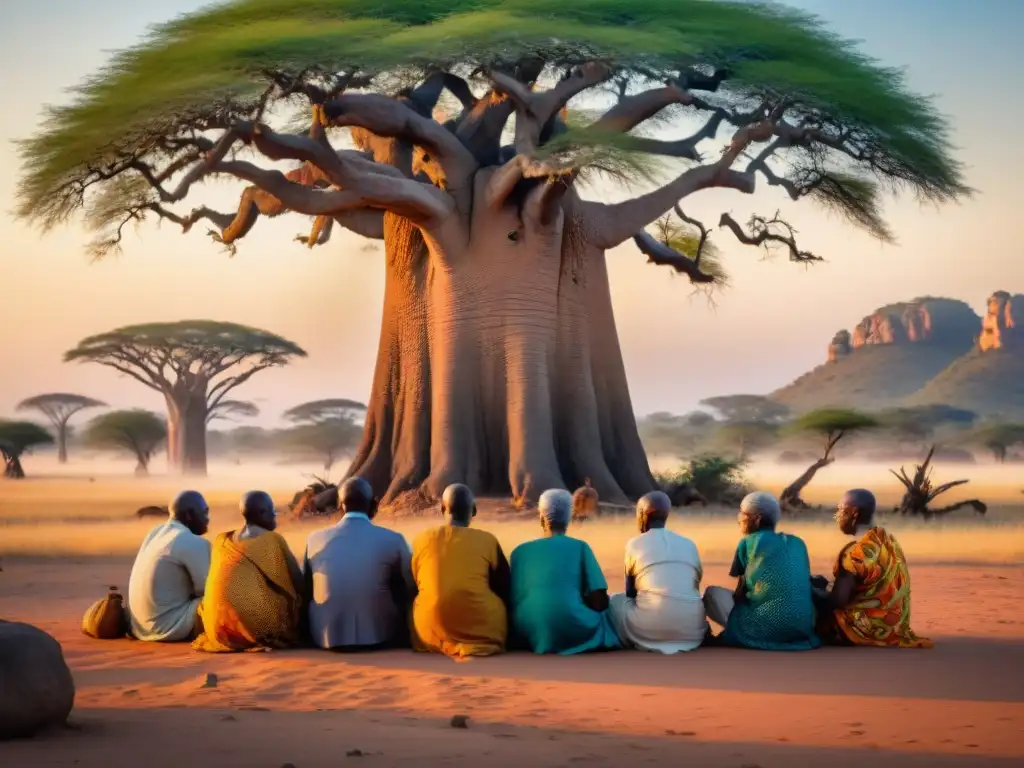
(36, 687)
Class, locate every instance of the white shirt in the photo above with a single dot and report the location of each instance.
(167, 583)
(668, 614)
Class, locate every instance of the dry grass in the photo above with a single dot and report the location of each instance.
(93, 515)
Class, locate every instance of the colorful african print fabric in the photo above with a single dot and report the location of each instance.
(251, 599)
(879, 614)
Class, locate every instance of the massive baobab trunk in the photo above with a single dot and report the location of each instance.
(499, 364)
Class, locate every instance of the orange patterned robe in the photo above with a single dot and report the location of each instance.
(879, 614)
(251, 599)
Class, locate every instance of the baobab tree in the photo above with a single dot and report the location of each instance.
(137, 432)
(58, 408)
(499, 363)
(194, 364)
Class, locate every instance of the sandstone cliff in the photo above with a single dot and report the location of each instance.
(941, 321)
(1003, 324)
(889, 355)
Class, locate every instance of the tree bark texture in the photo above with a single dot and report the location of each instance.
(186, 431)
(62, 442)
(499, 364)
(12, 468)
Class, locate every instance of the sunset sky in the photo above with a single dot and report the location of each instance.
(772, 324)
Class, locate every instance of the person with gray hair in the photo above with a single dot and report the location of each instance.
(771, 607)
(661, 609)
(559, 597)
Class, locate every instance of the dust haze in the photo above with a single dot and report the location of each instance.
(88, 508)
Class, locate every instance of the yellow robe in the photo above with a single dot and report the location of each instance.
(455, 611)
(251, 599)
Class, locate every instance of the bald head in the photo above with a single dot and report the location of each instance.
(858, 506)
(458, 505)
(191, 510)
(356, 495)
(652, 511)
(257, 508)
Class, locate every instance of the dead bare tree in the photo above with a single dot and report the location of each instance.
(920, 492)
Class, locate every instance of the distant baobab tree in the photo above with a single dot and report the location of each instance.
(194, 364)
(499, 364)
(59, 407)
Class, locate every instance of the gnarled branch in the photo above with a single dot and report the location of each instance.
(768, 233)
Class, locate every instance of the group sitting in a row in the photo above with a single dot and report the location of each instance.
(361, 587)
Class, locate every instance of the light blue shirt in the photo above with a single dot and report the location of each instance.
(352, 568)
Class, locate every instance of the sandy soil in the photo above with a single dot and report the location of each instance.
(959, 704)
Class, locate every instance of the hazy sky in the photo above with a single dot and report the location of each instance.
(773, 323)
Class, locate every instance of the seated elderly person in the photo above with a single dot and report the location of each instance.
(169, 574)
(357, 578)
(771, 607)
(661, 609)
(462, 578)
(253, 595)
(559, 596)
(869, 602)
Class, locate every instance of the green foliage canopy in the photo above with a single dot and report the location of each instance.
(829, 421)
(862, 126)
(16, 437)
(330, 409)
(137, 432)
(215, 356)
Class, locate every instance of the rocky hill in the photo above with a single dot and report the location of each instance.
(989, 379)
(889, 356)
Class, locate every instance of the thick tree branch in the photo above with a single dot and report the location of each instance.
(661, 254)
(366, 222)
(612, 224)
(388, 117)
(534, 110)
(631, 111)
(420, 203)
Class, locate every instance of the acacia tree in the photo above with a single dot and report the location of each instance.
(230, 410)
(194, 364)
(498, 364)
(746, 409)
(999, 438)
(59, 407)
(316, 411)
(918, 424)
(16, 437)
(831, 425)
(138, 432)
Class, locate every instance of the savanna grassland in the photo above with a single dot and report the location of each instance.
(91, 511)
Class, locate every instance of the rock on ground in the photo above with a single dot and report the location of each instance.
(36, 687)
